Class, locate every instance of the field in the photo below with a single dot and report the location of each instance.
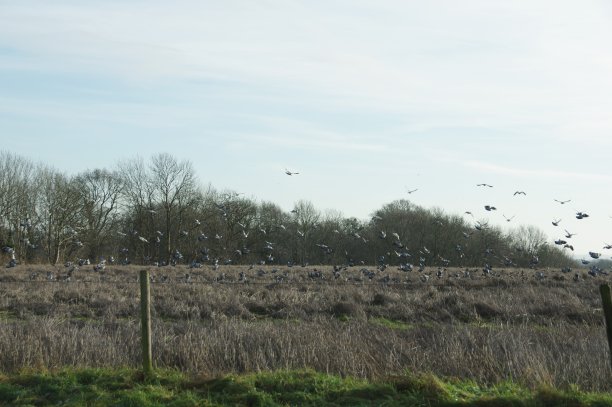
(509, 325)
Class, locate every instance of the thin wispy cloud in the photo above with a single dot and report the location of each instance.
(441, 88)
(537, 173)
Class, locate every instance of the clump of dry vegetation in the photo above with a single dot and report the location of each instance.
(505, 325)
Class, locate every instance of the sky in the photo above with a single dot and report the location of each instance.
(365, 99)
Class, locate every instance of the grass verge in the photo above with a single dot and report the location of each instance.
(127, 387)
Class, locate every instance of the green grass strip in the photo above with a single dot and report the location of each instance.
(128, 387)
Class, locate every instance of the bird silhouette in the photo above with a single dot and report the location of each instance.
(556, 222)
(519, 193)
(563, 202)
(484, 185)
(290, 172)
(569, 235)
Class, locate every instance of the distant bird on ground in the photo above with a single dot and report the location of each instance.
(508, 219)
(519, 193)
(411, 191)
(556, 222)
(290, 172)
(563, 202)
(484, 185)
(490, 208)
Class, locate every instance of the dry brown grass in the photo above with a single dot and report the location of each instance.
(508, 325)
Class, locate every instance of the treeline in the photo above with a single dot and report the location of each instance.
(158, 212)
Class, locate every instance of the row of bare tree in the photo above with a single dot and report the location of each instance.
(159, 212)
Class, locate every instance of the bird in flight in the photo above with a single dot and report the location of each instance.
(469, 213)
(290, 172)
(519, 193)
(556, 222)
(412, 190)
(490, 208)
(568, 234)
(484, 185)
(563, 202)
(508, 219)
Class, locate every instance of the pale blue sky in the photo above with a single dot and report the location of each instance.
(364, 98)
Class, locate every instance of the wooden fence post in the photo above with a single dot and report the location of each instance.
(606, 300)
(145, 322)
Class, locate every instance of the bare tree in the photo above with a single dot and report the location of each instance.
(59, 214)
(173, 183)
(139, 215)
(306, 219)
(16, 200)
(99, 193)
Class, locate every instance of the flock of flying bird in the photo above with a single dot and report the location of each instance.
(404, 266)
(555, 222)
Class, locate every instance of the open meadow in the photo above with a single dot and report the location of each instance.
(535, 328)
